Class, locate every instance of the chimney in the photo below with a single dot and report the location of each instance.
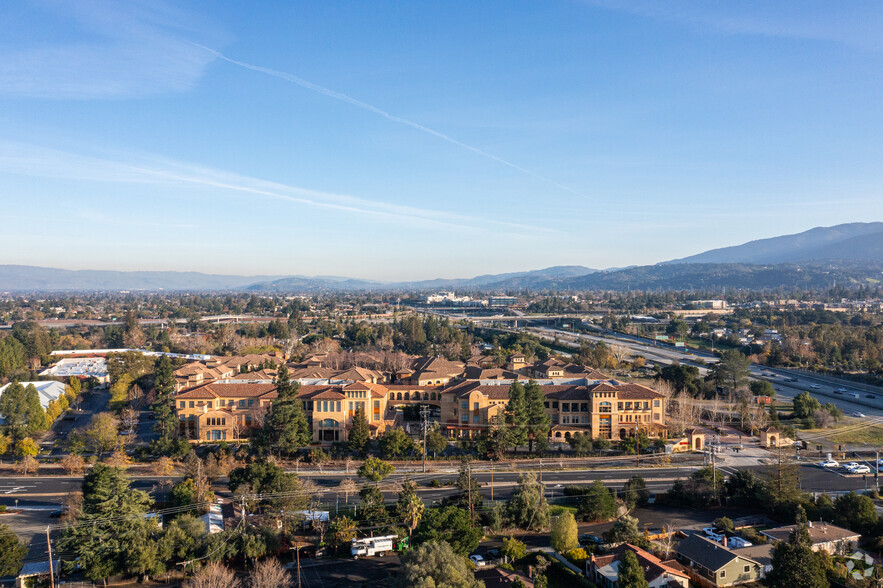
(725, 540)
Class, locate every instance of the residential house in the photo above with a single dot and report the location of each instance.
(824, 536)
(603, 570)
(428, 371)
(711, 564)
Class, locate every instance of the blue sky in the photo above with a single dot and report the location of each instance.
(412, 140)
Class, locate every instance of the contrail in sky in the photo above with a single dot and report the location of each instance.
(365, 106)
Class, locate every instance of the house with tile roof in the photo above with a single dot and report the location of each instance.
(824, 536)
(603, 570)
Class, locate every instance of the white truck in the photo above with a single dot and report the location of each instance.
(371, 546)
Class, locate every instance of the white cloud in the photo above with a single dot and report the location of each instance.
(108, 50)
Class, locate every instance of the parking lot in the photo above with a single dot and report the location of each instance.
(347, 573)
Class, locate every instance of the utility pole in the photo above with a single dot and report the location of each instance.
(469, 483)
(242, 509)
(424, 412)
(877, 472)
(297, 554)
(713, 474)
(51, 569)
(492, 481)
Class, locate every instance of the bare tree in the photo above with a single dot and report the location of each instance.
(320, 526)
(667, 542)
(27, 465)
(164, 466)
(348, 464)
(348, 486)
(73, 464)
(71, 505)
(213, 575)
(619, 352)
(269, 574)
(129, 418)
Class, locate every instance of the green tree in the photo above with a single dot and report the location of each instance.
(635, 492)
(451, 525)
(409, 507)
(181, 540)
(731, 370)
(268, 478)
(631, 574)
(725, 523)
(395, 444)
(164, 408)
(565, 535)
(804, 406)
(795, 565)
(515, 416)
(15, 412)
(513, 549)
(624, 529)
(856, 512)
(102, 434)
(527, 508)
(75, 385)
(38, 420)
(436, 442)
(537, 419)
(360, 433)
(12, 552)
(762, 388)
(435, 565)
(581, 444)
(372, 509)
(286, 428)
(112, 535)
(342, 531)
(598, 504)
(375, 469)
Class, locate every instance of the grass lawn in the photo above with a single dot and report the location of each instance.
(872, 435)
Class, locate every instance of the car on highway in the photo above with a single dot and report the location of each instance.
(871, 396)
(477, 560)
(814, 386)
(840, 389)
(838, 392)
(858, 414)
(829, 463)
(790, 379)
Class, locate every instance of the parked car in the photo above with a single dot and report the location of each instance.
(829, 463)
(477, 560)
(591, 540)
(862, 469)
(851, 465)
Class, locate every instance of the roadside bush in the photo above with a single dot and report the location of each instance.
(577, 557)
(575, 490)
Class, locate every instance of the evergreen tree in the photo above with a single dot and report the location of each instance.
(372, 509)
(409, 507)
(112, 535)
(795, 565)
(516, 416)
(631, 575)
(12, 552)
(360, 433)
(164, 407)
(537, 419)
(14, 410)
(435, 564)
(286, 428)
(565, 535)
(598, 504)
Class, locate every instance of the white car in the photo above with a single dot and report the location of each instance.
(851, 465)
(841, 389)
(862, 469)
(814, 386)
(829, 463)
(858, 414)
(477, 560)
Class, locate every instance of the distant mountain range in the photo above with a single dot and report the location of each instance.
(853, 242)
(848, 254)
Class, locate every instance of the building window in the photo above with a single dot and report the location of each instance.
(464, 405)
(656, 403)
(475, 419)
(619, 406)
(747, 569)
(465, 418)
(338, 406)
(191, 404)
(565, 407)
(723, 573)
(475, 406)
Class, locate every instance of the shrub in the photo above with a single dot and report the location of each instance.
(578, 557)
